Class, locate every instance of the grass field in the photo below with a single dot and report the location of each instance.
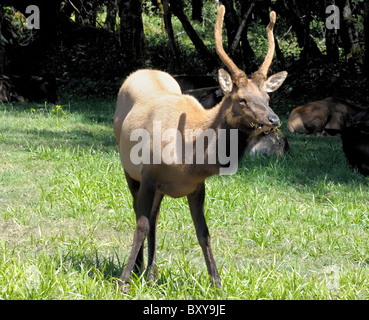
(289, 228)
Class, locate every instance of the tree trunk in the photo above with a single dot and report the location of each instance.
(111, 15)
(197, 10)
(170, 33)
(131, 31)
(91, 11)
(331, 39)
(350, 37)
(205, 54)
(248, 54)
(366, 36)
(301, 27)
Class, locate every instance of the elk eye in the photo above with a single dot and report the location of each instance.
(242, 100)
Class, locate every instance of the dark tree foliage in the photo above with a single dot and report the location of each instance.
(73, 43)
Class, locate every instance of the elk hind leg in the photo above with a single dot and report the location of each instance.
(151, 264)
(145, 200)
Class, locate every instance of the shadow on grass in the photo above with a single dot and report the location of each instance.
(312, 162)
(110, 267)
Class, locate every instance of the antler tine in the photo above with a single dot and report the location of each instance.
(269, 57)
(235, 71)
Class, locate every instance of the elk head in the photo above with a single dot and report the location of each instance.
(249, 97)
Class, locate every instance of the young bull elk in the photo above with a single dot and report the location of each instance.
(149, 100)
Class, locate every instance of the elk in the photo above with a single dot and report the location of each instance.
(322, 118)
(28, 88)
(208, 96)
(151, 96)
(190, 82)
(355, 142)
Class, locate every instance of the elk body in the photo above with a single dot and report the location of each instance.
(150, 97)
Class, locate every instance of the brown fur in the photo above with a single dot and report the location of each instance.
(323, 117)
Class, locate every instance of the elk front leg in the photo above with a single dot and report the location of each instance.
(196, 203)
(145, 200)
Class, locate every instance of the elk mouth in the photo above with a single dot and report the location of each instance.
(262, 128)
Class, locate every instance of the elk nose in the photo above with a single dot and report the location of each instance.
(274, 120)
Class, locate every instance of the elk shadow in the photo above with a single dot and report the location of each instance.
(110, 266)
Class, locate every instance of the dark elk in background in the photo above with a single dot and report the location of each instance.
(322, 118)
(208, 97)
(203, 88)
(189, 82)
(27, 89)
(355, 142)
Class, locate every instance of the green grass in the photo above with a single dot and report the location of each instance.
(288, 228)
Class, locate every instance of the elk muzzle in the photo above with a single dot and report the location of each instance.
(273, 120)
(266, 119)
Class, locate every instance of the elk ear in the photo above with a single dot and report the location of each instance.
(225, 81)
(274, 81)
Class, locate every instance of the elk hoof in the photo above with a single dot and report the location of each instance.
(124, 286)
(215, 282)
(151, 274)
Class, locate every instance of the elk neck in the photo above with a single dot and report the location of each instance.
(221, 117)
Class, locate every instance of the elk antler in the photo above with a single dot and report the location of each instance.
(269, 57)
(237, 74)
